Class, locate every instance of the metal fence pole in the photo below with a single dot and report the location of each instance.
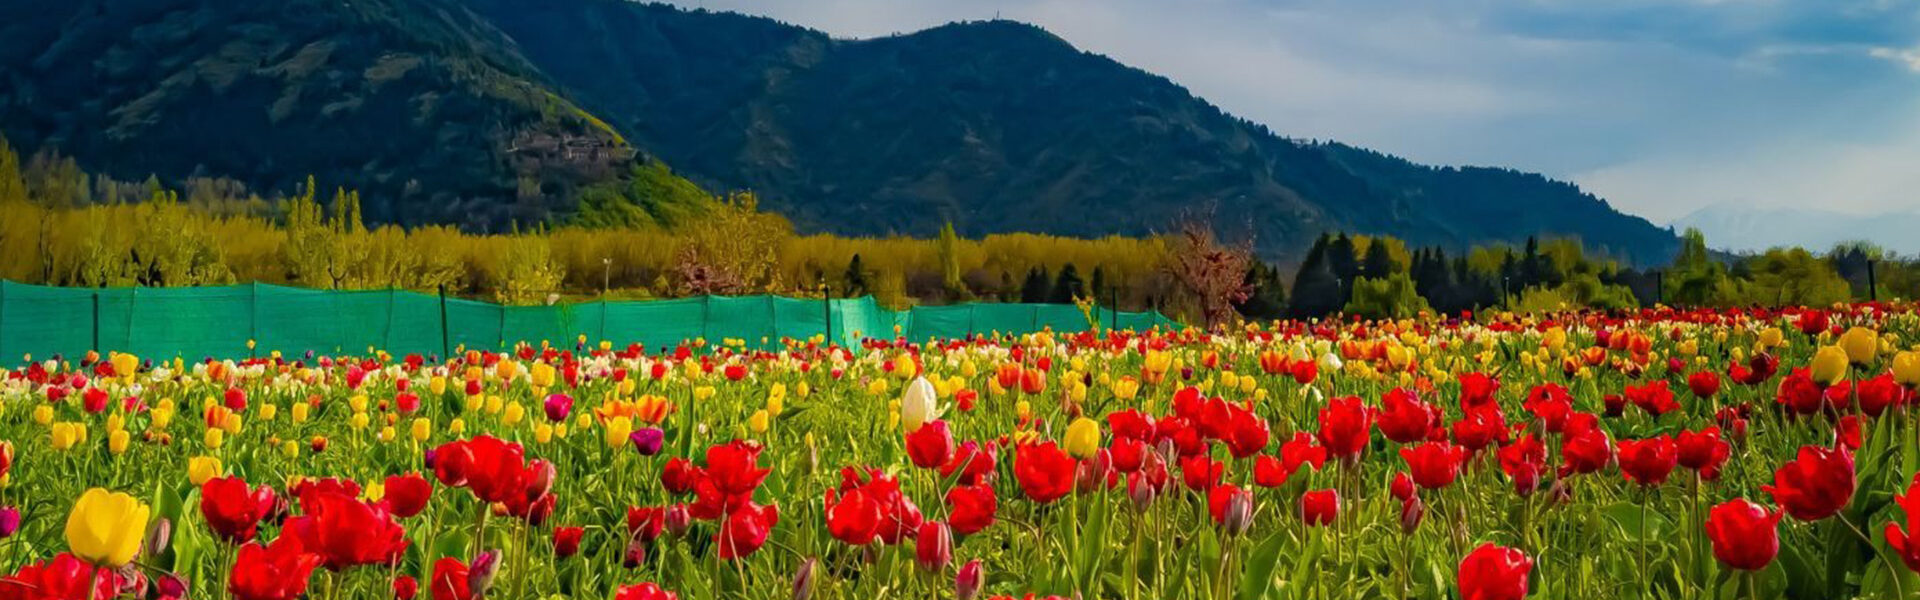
(826, 305)
(446, 335)
(1873, 295)
(96, 319)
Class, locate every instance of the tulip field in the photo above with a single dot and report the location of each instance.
(1659, 453)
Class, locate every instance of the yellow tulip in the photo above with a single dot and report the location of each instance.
(106, 528)
(515, 411)
(268, 410)
(117, 442)
(703, 392)
(618, 428)
(359, 420)
(1829, 365)
(437, 385)
(387, 433)
(125, 364)
(43, 414)
(1861, 344)
(1083, 438)
(1125, 388)
(422, 428)
(358, 402)
(457, 427)
(214, 438)
(803, 390)
(66, 435)
(115, 422)
(542, 375)
(1772, 337)
(300, 410)
(202, 468)
(1906, 368)
(758, 422)
(495, 404)
(543, 433)
(290, 449)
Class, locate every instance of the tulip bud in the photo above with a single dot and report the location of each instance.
(405, 587)
(1412, 510)
(480, 573)
(1141, 492)
(648, 440)
(9, 522)
(157, 537)
(967, 583)
(636, 553)
(543, 474)
(933, 546)
(558, 406)
(172, 585)
(1239, 516)
(678, 520)
(803, 579)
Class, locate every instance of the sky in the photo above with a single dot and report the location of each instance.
(1662, 107)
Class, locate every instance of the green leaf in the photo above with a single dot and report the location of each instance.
(1257, 581)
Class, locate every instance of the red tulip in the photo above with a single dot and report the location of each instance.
(679, 475)
(1799, 393)
(1346, 423)
(1245, 434)
(405, 587)
(898, 517)
(1320, 507)
(1404, 418)
(971, 508)
(1703, 384)
(1523, 461)
(1483, 425)
(64, 577)
(494, 470)
(1551, 403)
(1477, 389)
(278, 571)
(1703, 451)
(345, 531)
(1585, 451)
(1880, 393)
(1493, 572)
(450, 580)
(1200, 473)
(1649, 461)
(1434, 465)
(933, 546)
(644, 591)
(232, 509)
(407, 495)
(566, 541)
(745, 530)
(1905, 541)
(1231, 508)
(1655, 398)
(1402, 486)
(1044, 472)
(1815, 485)
(852, 517)
(974, 462)
(931, 445)
(1745, 535)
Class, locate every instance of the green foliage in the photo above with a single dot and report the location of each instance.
(1390, 297)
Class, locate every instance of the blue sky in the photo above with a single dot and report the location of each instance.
(1662, 107)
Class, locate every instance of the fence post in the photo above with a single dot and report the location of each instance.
(253, 318)
(1113, 294)
(446, 335)
(826, 305)
(1873, 295)
(96, 320)
(603, 317)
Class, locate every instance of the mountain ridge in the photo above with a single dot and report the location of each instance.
(994, 126)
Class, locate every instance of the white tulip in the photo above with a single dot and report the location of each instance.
(918, 404)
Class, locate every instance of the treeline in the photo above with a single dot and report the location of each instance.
(61, 226)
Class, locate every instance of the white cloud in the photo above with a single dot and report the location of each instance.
(1909, 58)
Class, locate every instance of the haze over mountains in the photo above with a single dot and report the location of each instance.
(1743, 228)
(492, 112)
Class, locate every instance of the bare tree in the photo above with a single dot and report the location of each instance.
(1213, 271)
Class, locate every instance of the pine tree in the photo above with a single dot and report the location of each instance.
(1037, 287)
(855, 279)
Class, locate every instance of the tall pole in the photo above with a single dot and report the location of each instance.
(826, 306)
(1873, 295)
(446, 335)
(96, 319)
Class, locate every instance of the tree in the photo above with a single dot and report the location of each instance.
(1214, 273)
(947, 246)
(1268, 298)
(1378, 262)
(1316, 291)
(1695, 278)
(1390, 297)
(1038, 288)
(734, 249)
(1068, 286)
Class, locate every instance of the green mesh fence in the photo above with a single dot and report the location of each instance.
(218, 321)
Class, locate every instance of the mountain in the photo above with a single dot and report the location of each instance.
(1001, 126)
(490, 111)
(1745, 229)
(422, 105)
